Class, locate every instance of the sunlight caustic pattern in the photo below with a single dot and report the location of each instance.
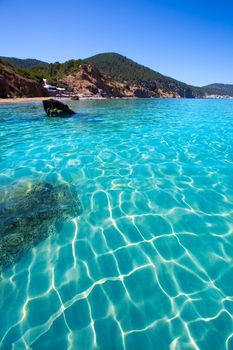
(148, 263)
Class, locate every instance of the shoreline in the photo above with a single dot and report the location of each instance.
(39, 99)
(93, 98)
(23, 99)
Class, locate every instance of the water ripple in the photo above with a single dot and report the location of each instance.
(148, 264)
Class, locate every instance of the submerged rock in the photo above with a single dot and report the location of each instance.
(54, 108)
(30, 215)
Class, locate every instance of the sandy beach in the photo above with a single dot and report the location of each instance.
(38, 99)
(23, 99)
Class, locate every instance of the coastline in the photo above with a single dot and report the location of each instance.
(39, 99)
(23, 99)
(84, 98)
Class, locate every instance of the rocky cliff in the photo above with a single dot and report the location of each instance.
(14, 85)
(89, 81)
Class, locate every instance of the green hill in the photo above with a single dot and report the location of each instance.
(23, 63)
(122, 69)
(219, 89)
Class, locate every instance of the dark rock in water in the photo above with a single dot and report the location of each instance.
(75, 98)
(30, 215)
(54, 108)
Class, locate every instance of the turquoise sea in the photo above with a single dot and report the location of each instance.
(148, 262)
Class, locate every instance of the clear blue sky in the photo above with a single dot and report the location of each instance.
(189, 40)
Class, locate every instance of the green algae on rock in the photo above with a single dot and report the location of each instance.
(29, 215)
(54, 108)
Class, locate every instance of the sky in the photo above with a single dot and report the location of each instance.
(189, 40)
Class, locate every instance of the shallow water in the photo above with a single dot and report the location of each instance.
(149, 262)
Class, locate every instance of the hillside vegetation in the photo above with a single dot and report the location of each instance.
(219, 89)
(122, 69)
(53, 72)
(24, 63)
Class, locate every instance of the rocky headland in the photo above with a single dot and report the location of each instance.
(15, 85)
